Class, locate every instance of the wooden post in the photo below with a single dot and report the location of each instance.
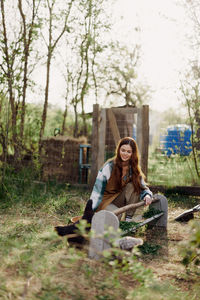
(113, 126)
(139, 137)
(102, 138)
(94, 144)
(143, 136)
(145, 133)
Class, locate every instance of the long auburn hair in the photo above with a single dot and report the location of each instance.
(137, 173)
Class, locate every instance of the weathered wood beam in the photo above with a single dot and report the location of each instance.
(143, 136)
(113, 126)
(182, 190)
(125, 110)
(102, 138)
(94, 145)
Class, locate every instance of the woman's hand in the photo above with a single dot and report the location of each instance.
(147, 200)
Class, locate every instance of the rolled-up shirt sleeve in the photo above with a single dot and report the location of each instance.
(145, 190)
(100, 185)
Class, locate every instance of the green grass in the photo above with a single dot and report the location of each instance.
(148, 248)
(175, 170)
(171, 171)
(38, 264)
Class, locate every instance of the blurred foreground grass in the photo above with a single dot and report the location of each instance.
(37, 264)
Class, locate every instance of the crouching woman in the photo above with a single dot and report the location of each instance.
(120, 181)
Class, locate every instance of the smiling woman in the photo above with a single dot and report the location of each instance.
(120, 181)
(125, 152)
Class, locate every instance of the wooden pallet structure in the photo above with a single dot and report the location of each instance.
(110, 125)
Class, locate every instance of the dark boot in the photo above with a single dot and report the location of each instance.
(72, 228)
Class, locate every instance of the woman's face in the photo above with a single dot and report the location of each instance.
(125, 152)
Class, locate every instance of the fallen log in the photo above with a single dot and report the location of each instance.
(182, 190)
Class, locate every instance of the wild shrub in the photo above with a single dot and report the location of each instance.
(190, 250)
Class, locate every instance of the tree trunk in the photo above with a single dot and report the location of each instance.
(64, 121)
(51, 47)
(192, 136)
(76, 121)
(9, 78)
(26, 44)
(44, 114)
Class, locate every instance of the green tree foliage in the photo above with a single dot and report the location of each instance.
(190, 88)
(190, 85)
(172, 117)
(31, 32)
(19, 26)
(84, 49)
(57, 24)
(4, 126)
(121, 74)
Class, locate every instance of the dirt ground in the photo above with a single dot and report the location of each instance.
(37, 264)
(167, 263)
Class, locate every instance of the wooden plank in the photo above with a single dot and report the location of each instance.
(102, 138)
(125, 110)
(145, 139)
(113, 125)
(128, 126)
(182, 190)
(143, 136)
(139, 137)
(94, 144)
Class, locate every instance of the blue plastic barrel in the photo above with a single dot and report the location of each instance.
(177, 140)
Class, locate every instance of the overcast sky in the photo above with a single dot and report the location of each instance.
(165, 28)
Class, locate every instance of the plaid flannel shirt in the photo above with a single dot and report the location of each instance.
(101, 182)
